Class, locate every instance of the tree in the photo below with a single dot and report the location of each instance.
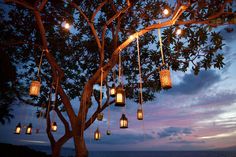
(101, 31)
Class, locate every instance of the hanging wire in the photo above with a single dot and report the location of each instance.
(101, 87)
(54, 103)
(40, 62)
(49, 102)
(120, 67)
(109, 118)
(140, 75)
(160, 41)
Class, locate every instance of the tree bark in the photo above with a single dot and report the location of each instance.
(56, 150)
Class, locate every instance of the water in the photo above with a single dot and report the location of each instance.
(163, 154)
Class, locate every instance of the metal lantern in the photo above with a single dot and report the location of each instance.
(18, 129)
(100, 117)
(120, 96)
(97, 135)
(165, 79)
(113, 90)
(34, 88)
(108, 132)
(140, 114)
(123, 122)
(29, 129)
(54, 127)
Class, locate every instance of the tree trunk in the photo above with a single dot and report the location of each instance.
(56, 149)
(80, 147)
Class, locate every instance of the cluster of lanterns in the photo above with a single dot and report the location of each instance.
(28, 129)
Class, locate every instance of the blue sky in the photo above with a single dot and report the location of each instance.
(199, 112)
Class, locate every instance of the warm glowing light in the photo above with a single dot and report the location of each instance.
(140, 114)
(120, 96)
(166, 12)
(67, 25)
(97, 135)
(113, 90)
(178, 31)
(34, 88)
(18, 129)
(54, 127)
(123, 122)
(165, 79)
(131, 37)
(29, 129)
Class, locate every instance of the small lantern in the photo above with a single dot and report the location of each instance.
(34, 88)
(123, 122)
(120, 96)
(97, 135)
(29, 129)
(100, 117)
(113, 90)
(140, 114)
(54, 127)
(165, 79)
(108, 132)
(18, 129)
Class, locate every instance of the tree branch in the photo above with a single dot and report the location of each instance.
(44, 2)
(97, 10)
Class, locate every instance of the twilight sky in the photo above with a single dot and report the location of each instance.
(199, 112)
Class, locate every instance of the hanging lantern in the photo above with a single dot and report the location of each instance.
(165, 79)
(140, 114)
(97, 135)
(113, 90)
(108, 132)
(34, 88)
(123, 122)
(54, 127)
(29, 129)
(100, 117)
(18, 129)
(120, 96)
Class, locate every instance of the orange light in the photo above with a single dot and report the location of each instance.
(66, 25)
(178, 31)
(54, 127)
(34, 88)
(140, 114)
(165, 79)
(120, 96)
(29, 129)
(123, 122)
(166, 12)
(113, 90)
(97, 135)
(18, 129)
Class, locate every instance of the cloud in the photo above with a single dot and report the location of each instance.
(192, 84)
(117, 139)
(174, 131)
(186, 142)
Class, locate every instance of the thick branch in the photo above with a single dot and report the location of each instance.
(89, 23)
(44, 2)
(62, 118)
(98, 8)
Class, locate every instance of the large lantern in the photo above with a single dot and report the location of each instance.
(123, 122)
(34, 88)
(54, 127)
(140, 114)
(100, 117)
(29, 129)
(165, 79)
(120, 96)
(97, 135)
(113, 90)
(18, 129)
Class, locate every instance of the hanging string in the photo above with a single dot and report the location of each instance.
(109, 117)
(49, 102)
(40, 63)
(54, 103)
(140, 75)
(120, 67)
(101, 87)
(160, 41)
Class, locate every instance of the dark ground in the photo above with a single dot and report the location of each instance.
(9, 150)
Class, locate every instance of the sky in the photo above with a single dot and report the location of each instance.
(198, 113)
